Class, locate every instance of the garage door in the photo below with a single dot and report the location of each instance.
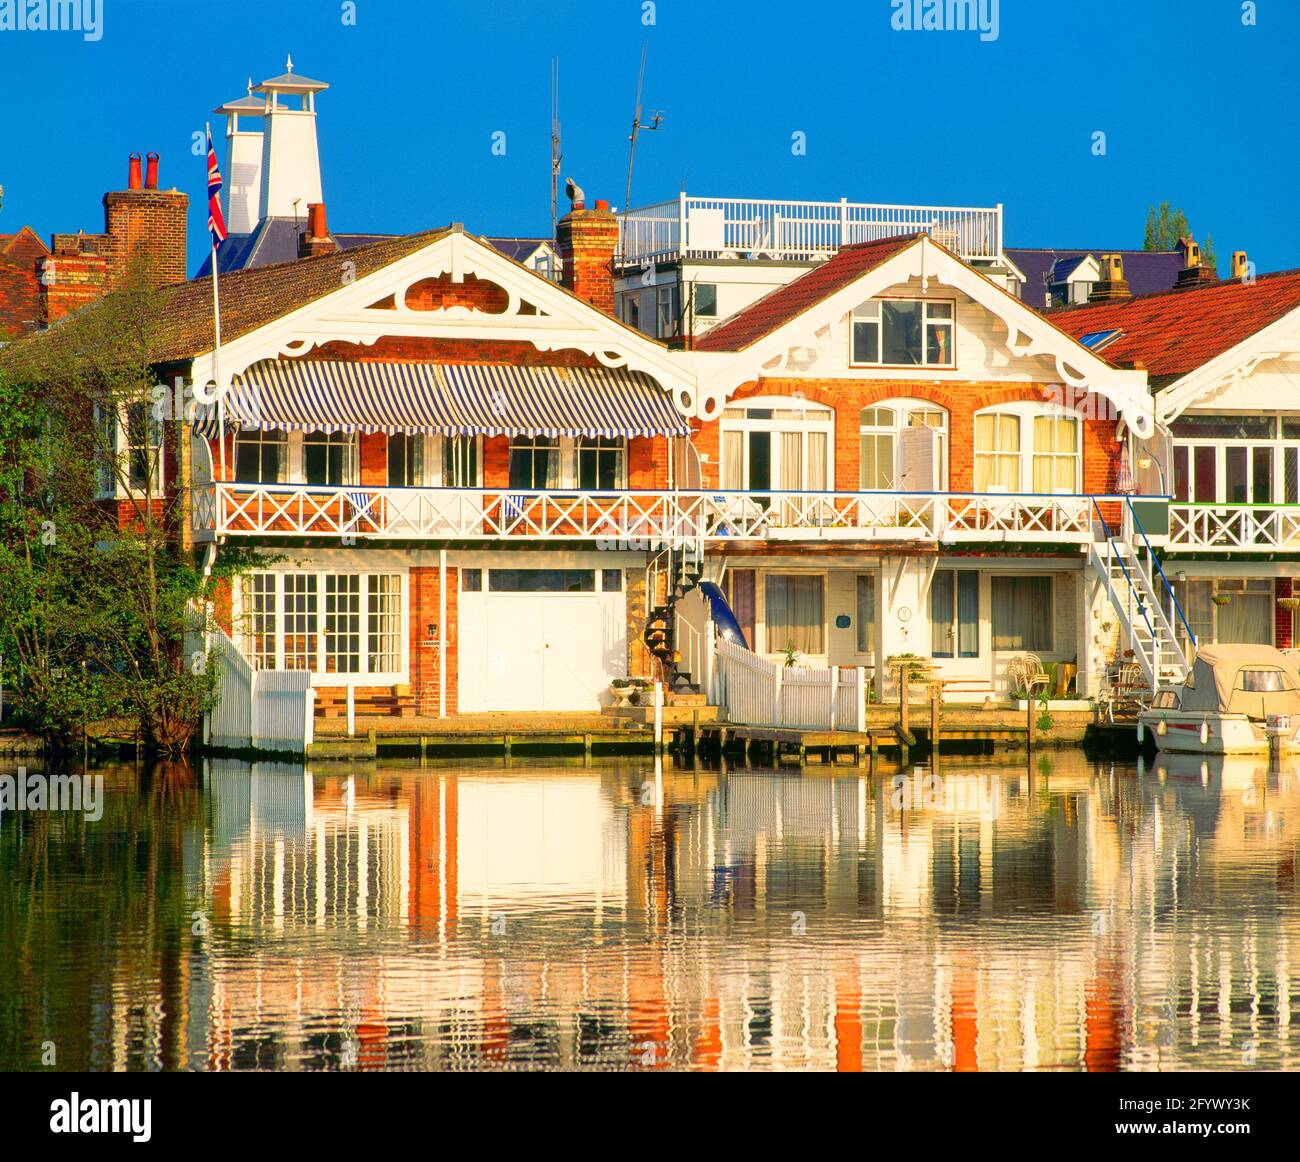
(540, 639)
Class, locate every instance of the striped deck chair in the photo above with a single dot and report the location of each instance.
(362, 503)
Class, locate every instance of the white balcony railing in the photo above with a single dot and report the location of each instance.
(1246, 528)
(636, 519)
(746, 228)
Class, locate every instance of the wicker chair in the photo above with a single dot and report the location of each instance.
(1026, 675)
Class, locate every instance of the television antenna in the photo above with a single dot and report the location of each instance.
(656, 119)
(557, 155)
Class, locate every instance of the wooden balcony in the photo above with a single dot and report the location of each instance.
(1238, 528)
(636, 520)
(710, 228)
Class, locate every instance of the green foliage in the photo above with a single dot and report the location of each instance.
(100, 606)
(1165, 227)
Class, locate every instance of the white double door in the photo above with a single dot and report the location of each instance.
(540, 651)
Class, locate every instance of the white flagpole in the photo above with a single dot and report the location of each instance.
(216, 351)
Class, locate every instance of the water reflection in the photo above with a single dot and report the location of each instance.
(1057, 915)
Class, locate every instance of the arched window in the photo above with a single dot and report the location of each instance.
(1028, 447)
(878, 429)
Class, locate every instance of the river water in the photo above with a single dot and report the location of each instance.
(1055, 913)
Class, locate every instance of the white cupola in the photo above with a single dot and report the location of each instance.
(290, 172)
(243, 170)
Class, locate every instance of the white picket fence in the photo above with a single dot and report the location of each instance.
(756, 692)
(258, 709)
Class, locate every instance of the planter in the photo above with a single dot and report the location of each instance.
(1290, 604)
(1221, 599)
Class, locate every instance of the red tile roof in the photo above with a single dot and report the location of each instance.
(19, 291)
(791, 300)
(1175, 332)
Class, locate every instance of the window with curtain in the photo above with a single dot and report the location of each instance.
(866, 613)
(739, 588)
(795, 613)
(405, 460)
(877, 430)
(601, 462)
(1247, 618)
(903, 332)
(784, 448)
(997, 452)
(384, 641)
(733, 460)
(534, 462)
(1021, 613)
(144, 448)
(262, 456)
(330, 458)
(1057, 454)
(460, 462)
(955, 613)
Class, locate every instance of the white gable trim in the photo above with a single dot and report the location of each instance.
(1028, 334)
(1278, 340)
(562, 322)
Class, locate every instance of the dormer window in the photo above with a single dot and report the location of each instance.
(903, 333)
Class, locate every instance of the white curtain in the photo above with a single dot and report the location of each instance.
(794, 614)
(733, 460)
(792, 476)
(1247, 619)
(1021, 611)
(817, 479)
(997, 453)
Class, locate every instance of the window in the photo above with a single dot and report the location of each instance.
(600, 462)
(259, 631)
(534, 462)
(300, 621)
(1264, 681)
(460, 462)
(1248, 614)
(326, 623)
(866, 613)
(668, 310)
(611, 580)
(342, 623)
(384, 641)
(632, 311)
(1021, 613)
(542, 580)
(777, 447)
(903, 332)
(261, 456)
(1028, 447)
(997, 453)
(878, 428)
(794, 613)
(330, 458)
(706, 300)
(405, 460)
(1056, 454)
(144, 449)
(739, 586)
(471, 580)
(955, 613)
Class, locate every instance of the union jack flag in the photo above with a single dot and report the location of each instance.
(216, 220)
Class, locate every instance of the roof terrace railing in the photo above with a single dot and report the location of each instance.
(704, 228)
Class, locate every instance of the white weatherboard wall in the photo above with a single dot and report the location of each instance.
(259, 710)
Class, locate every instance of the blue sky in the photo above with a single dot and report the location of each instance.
(1196, 107)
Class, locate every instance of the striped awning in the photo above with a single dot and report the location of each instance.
(455, 399)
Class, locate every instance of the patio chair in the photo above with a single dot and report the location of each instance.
(1026, 674)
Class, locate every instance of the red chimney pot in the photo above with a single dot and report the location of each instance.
(602, 205)
(133, 181)
(316, 227)
(151, 171)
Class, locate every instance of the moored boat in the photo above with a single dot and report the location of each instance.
(1237, 699)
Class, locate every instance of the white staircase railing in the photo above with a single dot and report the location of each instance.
(270, 710)
(1136, 600)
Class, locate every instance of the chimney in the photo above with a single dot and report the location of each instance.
(1240, 266)
(1194, 273)
(146, 223)
(1111, 284)
(317, 239)
(586, 240)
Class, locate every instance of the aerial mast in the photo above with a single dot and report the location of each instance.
(656, 119)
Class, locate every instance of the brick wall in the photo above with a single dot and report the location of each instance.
(586, 240)
(1283, 619)
(19, 288)
(147, 224)
(962, 400)
(424, 610)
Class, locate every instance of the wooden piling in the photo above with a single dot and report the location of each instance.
(903, 709)
(934, 722)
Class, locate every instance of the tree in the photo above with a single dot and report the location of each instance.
(1166, 227)
(111, 605)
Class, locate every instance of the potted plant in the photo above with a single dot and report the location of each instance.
(1221, 599)
(1290, 604)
